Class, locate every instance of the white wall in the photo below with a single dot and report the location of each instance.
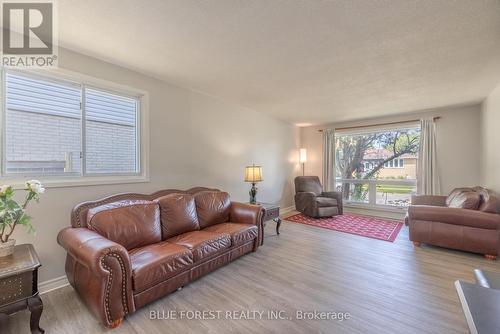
(458, 143)
(491, 141)
(196, 140)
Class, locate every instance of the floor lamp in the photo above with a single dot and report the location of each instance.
(303, 159)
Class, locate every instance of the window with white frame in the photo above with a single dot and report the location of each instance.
(60, 127)
(396, 163)
(377, 165)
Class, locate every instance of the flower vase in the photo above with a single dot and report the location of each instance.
(7, 248)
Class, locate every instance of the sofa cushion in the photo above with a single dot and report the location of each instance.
(154, 264)
(202, 244)
(177, 214)
(325, 201)
(240, 233)
(132, 224)
(489, 200)
(213, 207)
(455, 192)
(465, 200)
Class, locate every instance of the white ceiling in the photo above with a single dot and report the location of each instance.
(303, 61)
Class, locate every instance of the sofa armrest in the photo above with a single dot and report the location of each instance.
(107, 287)
(455, 216)
(428, 200)
(336, 195)
(245, 213)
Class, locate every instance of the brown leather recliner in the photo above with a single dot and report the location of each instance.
(128, 250)
(468, 219)
(311, 200)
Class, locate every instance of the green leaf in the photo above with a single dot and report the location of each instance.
(13, 205)
(25, 220)
(30, 228)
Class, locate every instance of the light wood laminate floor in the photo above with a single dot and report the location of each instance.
(386, 287)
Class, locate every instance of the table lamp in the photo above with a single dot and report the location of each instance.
(253, 174)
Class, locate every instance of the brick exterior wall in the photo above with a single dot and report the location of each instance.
(110, 147)
(35, 139)
(409, 171)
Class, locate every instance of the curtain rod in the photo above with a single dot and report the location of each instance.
(381, 124)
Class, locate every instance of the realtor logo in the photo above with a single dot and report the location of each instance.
(28, 34)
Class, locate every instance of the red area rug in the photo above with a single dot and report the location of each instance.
(370, 227)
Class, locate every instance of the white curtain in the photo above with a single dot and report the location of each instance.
(427, 169)
(329, 159)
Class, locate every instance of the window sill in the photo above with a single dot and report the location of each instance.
(376, 210)
(386, 208)
(62, 182)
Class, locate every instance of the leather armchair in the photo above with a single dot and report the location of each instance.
(312, 201)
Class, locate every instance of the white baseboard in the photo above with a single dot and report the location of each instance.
(52, 284)
(375, 213)
(287, 210)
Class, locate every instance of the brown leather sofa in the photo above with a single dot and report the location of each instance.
(311, 200)
(468, 219)
(128, 250)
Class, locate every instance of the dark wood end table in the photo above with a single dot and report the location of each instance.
(19, 285)
(271, 212)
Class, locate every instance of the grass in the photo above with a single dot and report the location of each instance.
(392, 189)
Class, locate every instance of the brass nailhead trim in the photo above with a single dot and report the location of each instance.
(110, 282)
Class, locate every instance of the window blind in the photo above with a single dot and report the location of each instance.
(29, 94)
(102, 106)
(43, 125)
(110, 130)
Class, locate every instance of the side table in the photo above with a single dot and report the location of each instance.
(271, 212)
(19, 285)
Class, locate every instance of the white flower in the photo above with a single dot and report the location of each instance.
(4, 188)
(35, 186)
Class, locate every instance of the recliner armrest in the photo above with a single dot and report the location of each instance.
(108, 289)
(336, 195)
(455, 216)
(305, 201)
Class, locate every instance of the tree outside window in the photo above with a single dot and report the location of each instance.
(382, 155)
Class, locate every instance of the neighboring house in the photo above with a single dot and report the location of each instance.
(404, 166)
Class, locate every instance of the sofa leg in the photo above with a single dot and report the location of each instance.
(116, 323)
(417, 243)
(490, 257)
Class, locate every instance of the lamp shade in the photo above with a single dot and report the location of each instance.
(302, 155)
(253, 174)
